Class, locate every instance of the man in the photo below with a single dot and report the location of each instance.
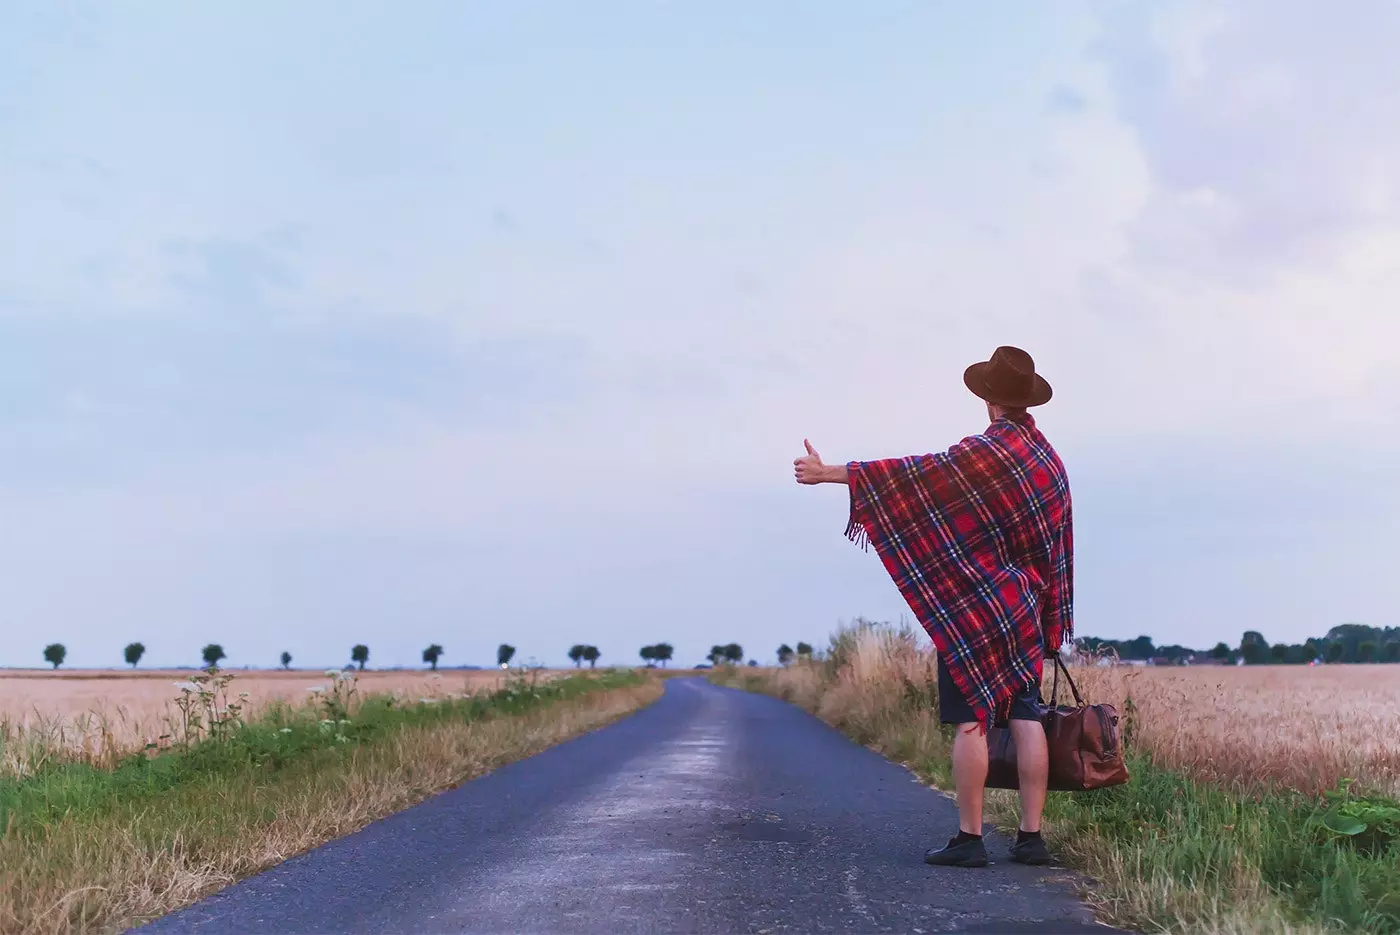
(979, 540)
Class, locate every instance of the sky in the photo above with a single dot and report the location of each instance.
(339, 322)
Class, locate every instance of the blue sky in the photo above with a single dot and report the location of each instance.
(326, 323)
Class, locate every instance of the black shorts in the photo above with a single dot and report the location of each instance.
(954, 709)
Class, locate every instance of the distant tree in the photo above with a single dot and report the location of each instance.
(1366, 651)
(212, 654)
(648, 654)
(1297, 654)
(1335, 651)
(504, 654)
(1222, 651)
(1391, 651)
(733, 652)
(591, 653)
(804, 650)
(784, 654)
(716, 654)
(664, 652)
(1140, 648)
(1352, 635)
(133, 653)
(1254, 648)
(753, 662)
(1278, 652)
(359, 654)
(1174, 653)
(54, 654)
(432, 654)
(286, 659)
(576, 653)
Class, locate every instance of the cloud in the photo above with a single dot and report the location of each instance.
(1269, 130)
(503, 221)
(243, 275)
(1065, 100)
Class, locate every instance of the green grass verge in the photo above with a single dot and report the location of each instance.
(281, 739)
(1205, 838)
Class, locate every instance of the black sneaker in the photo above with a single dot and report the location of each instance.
(1031, 851)
(970, 853)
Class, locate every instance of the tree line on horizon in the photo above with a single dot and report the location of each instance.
(1347, 643)
(213, 653)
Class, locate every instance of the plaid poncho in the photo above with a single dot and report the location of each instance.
(979, 540)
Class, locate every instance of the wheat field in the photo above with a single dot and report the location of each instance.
(1301, 727)
(99, 713)
(1304, 727)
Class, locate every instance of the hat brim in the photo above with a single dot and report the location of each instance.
(974, 378)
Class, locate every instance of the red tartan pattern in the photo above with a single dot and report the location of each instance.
(980, 542)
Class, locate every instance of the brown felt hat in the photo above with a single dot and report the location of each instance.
(1008, 379)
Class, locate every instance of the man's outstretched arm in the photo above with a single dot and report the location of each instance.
(809, 469)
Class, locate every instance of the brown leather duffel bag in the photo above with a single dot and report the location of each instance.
(1086, 748)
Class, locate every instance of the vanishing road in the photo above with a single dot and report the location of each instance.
(712, 810)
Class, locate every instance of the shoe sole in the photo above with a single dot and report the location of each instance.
(1032, 862)
(974, 862)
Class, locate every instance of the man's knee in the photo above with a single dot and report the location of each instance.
(1032, 748)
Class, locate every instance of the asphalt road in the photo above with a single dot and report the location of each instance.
(713, 810)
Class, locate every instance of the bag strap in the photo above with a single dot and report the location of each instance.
(1055, 685)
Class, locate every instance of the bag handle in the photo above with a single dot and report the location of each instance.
(1055, 686)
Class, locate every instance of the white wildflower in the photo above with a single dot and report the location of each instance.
(285, 730)
(316, 689)
(187, 686)
(332, 673)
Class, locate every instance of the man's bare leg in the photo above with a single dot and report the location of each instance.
(970, 775)
(1033, 766)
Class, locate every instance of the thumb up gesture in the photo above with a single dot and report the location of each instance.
(809, 468)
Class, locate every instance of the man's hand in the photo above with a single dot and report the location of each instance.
(809, 468)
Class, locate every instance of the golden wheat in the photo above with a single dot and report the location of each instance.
(1303, 727)
(101, 714)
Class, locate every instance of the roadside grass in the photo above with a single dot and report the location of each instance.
(89, 849)
(1164, 853)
